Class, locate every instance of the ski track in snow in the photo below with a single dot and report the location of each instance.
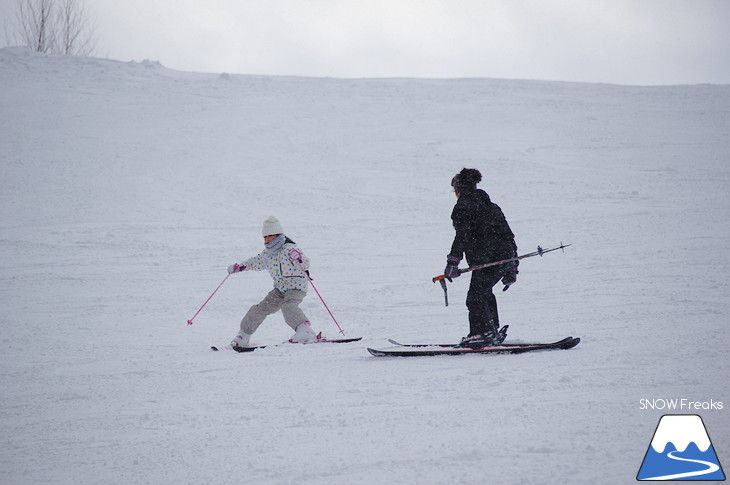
(128, 188)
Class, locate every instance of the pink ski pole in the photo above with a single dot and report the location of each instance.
(309, 278)
(190, 322)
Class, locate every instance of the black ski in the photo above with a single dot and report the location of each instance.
(421, 350)
(319, 341)
(504, 344)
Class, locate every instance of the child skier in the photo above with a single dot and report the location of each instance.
(284, 262)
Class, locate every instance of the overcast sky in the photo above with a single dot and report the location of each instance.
(614, 41)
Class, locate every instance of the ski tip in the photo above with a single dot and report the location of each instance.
(568, 343)
(214, 348)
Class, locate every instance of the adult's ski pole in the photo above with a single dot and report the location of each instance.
(190, 322)
(540, 251)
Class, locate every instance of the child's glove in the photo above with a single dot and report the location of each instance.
(235, 268)
(295, 255)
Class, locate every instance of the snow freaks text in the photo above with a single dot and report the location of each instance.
(680, 405)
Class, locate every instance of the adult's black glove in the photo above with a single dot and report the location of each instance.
(452, 267)
(509, 279)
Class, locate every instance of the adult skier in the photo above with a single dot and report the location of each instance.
(284, 262)
(483, 235)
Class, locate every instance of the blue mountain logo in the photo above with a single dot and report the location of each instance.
(681, 450)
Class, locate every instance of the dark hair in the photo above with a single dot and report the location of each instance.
(468, 178)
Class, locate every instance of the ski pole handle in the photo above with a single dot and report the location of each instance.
(444, 277)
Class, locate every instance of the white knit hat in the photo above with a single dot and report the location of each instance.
(272, 226)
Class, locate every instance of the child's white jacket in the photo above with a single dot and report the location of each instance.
(283, 267)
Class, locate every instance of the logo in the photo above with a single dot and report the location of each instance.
(680, 450)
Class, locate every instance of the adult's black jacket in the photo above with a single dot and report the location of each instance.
(482, 232)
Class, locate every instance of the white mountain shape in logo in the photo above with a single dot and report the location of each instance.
(681, 430)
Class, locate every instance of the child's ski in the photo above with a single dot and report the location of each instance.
(318, 341)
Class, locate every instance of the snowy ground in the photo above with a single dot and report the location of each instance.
(126, 189)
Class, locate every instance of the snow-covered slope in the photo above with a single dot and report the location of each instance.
(127, 189)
